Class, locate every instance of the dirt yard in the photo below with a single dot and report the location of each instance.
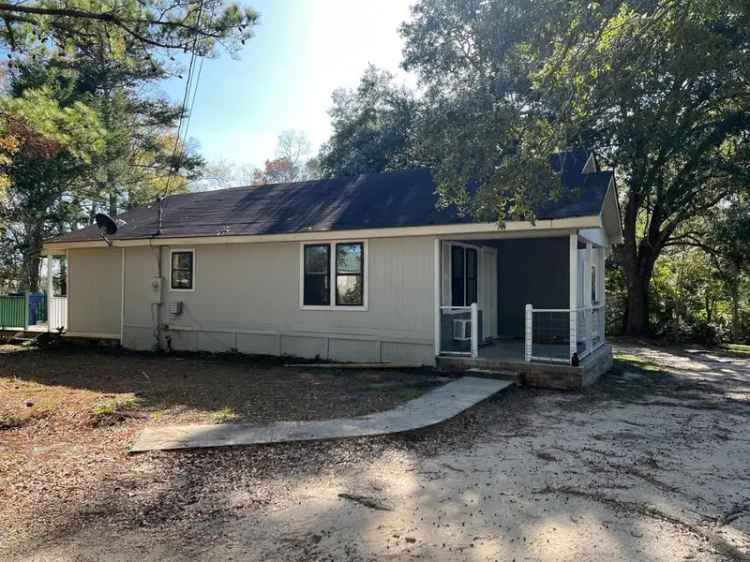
(651, 463)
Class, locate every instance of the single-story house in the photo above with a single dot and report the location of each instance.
(363, 268)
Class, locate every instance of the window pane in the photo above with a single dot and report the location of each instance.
(471, 291)
(182, 270)
(471, 276)
(182, 260)
(349, 290)
(317, 292)
(317, 259)
(182, 280)
(457, 276)
(349, 258)
(471, 263)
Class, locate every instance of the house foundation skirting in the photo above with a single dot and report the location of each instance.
(324, 346)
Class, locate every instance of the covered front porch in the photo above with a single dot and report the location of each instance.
(512, 302)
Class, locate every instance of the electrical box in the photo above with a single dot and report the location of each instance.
(156, 290)
(175, 308)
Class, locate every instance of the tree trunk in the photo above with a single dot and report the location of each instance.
(638, 266)
(735, 296)
(30, 263)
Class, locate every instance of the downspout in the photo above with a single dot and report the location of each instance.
(158, 282)
(122, 298)
(159, 286)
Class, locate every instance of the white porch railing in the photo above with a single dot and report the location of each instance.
(57, 314)
(562, 334)
(460, 330)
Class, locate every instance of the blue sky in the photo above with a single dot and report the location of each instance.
(284, 76)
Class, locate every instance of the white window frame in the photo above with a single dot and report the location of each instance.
(178, 251)
(332, 273)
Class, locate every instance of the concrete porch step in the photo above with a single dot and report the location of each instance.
(500, 374)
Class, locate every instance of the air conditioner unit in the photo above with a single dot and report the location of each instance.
(462, 330)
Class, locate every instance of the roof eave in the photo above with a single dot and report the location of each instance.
(510, 227)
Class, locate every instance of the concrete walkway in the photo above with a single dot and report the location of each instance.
(433, 407)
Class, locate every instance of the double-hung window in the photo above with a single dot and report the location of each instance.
(333, 275)
(464, 275)
(182, 273)
(350, 269)
(317, 277)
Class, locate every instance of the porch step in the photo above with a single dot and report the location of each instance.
(494, 374)
(28, 339)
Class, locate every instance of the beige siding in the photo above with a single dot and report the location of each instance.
(246, 298)
(141, 268)
(94, 291)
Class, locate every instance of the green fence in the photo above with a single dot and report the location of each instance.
(13, 311)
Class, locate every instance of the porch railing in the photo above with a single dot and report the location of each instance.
(12, 311)
(33, 311)
(57, 314)
(561, 334)
(460, 330)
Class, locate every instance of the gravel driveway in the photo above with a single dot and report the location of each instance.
(651, 463)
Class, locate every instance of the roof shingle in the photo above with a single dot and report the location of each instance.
(383, 200)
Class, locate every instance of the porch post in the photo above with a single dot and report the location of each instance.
(436, 296)
(50, 284)
(50, 291)
(474, 330)
(602, 292)
(588, 260)
(573, 295)
(529, 332)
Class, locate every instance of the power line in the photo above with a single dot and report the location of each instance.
(176, 151)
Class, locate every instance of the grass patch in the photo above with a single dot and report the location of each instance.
(115, 406)
(628, 360)
(225, 415)
(113, 411)
(10, 422)
(738, 348)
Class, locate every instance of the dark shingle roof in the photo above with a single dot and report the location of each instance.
(384, 200)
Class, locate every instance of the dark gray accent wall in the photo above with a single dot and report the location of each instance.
(531, 271)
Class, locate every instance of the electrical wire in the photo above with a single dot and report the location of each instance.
(177, 152)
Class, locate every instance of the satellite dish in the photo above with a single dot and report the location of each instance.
(105, 223)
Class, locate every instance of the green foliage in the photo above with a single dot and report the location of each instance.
(661, 89)
(198, 25)
(79, 131)
(373, 128)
